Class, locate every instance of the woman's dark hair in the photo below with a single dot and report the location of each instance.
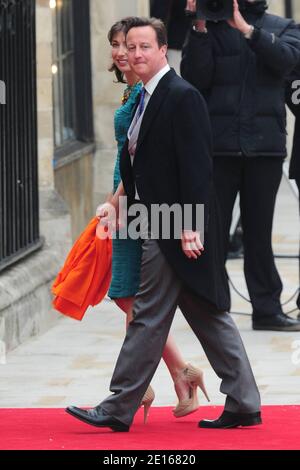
(119, 27)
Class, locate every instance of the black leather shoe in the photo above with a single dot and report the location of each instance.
(97, 417)
(280, 322)
(230, 420)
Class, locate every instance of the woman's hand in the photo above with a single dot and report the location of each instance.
(200, 25)
(107, 215)
(191, 5)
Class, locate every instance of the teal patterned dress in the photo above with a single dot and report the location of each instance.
(127, 253)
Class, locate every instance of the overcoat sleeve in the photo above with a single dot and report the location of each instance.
(193, 143)
(279, 52)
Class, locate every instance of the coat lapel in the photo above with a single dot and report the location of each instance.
(154, 104)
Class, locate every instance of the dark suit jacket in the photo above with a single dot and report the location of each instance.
(173, 164)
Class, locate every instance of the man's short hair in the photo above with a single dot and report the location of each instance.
(155, 23)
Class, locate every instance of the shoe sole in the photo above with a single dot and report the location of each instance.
(115, 428)
(186, 414)
(245, 423)
(274, 328)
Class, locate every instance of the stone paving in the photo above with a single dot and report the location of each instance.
(72, 363)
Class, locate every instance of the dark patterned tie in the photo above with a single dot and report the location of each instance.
(141, 103)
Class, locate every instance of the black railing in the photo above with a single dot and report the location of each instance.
(19, 218)
(289, 8)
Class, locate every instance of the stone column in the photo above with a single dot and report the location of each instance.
(44, 93)
(277, 8)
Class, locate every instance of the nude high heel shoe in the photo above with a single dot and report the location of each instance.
(194, 378)
(147, 401)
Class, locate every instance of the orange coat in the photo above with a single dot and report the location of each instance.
(86, 275)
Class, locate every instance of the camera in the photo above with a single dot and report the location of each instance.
(214, 10)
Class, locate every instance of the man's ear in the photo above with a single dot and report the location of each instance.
(164, 49)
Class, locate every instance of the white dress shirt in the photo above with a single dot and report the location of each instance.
(135, 126)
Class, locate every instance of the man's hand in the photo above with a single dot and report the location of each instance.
(191, 244)
(238, 22)
(107, 215)
(200, 25)
(191, 5)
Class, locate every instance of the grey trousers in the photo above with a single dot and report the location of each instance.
(159, 295)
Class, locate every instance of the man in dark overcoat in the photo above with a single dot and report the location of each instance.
(168, 160)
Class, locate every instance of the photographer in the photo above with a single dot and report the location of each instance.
(240, 66)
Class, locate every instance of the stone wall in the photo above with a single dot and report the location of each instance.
(74, 183)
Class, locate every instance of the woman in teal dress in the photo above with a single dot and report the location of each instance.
(127, 252)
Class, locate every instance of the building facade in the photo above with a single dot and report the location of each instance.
(56, 119)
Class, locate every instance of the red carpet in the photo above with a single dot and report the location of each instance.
(53, 429)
